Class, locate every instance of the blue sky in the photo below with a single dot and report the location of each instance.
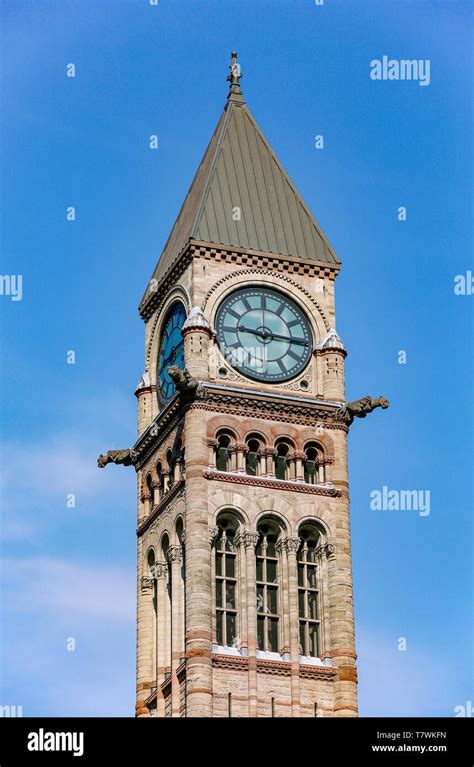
(83, 142)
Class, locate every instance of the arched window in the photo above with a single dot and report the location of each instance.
(252, 459)
(160, 481)
(267, 588)
(149, 491)
(308, 592)
(222, 452)
(313, 465)
(281, 461)
(151, 560)
(170, 461)
(226, 582)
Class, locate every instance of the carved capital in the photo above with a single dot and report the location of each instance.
(241, 447)
(175, 553)
(325, 550)
(271, 451)
(159, 570)
(291, 545)
(299, 455)
(250, 539)
(213, 443)
(213, 533)
(146, 584)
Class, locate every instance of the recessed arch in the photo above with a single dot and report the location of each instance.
(178, 294)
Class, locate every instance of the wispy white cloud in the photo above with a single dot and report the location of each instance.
(46, 601)
(60, 588)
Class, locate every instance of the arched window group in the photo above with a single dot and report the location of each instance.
(169, 470)
(255, 458)
(270, 547)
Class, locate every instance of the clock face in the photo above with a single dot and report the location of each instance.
(264, 334)
(171, 350)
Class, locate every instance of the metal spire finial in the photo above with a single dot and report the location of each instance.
(235, 74)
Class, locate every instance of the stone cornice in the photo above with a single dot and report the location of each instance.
(174, 490)
(279, 262)
(154, 299)
(274, 484)
(242, 402)
(268, 406)
(280, 668)
(157, 431)
(232, 255)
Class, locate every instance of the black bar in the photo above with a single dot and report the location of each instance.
(445, 741)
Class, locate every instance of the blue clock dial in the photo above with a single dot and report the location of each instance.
(171, 350)
(264, 334)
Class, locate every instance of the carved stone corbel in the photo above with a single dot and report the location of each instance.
(146, 583)
(175, 553)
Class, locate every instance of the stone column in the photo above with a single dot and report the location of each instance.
(322, 552)
(175, 555)
(212, 444)
(155, 488)
(232, 453)
(321, 472)
(145, 639)
(197, 334)
(146, 500)
(341, 599)
(291, 546)
(213, 534)
(291, 466)
(160, 573)
(299, 458)
(262, 462)
(250, 542)
(284, 599)
(270, 453)
(177, 470)
(239, 543)
(241, 450)
(198, 571)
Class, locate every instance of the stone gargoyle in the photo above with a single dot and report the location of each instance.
(360, 408)
(182, 379)
(125, 457)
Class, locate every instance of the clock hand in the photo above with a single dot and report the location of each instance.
(171, 355)
(265, 334)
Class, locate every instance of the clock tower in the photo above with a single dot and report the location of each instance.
(245, 604)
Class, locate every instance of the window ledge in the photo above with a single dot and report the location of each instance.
(268, 655)
(219, 649)
(326, 488)
(308, 660)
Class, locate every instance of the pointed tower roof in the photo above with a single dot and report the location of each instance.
(240, 170)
